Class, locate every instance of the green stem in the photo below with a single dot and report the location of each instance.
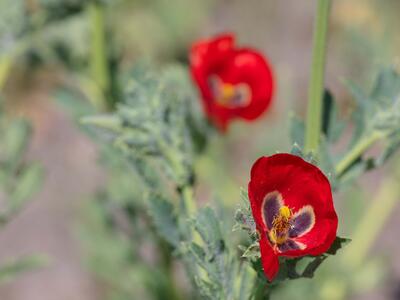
(188, 200)
(359, 148)
(316, 85)
(5, 65)
(371, 224)
(98, 57)
(262, 291)
(186, 188)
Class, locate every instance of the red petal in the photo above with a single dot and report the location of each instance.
(269, 259)
(250, 67)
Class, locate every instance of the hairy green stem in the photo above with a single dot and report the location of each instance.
(316, 85)
(359, 148)
(98, 60)
(186, 188)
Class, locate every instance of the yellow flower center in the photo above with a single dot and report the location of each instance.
(228, 92)
(279, 232)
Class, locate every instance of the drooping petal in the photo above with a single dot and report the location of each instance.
(269, 259)
(302, 222)
(270, 207)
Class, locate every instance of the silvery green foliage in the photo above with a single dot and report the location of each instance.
(376, 117)
(116, 235)
(154, 129)
(219, 273)
(378, 112)
(152, 123)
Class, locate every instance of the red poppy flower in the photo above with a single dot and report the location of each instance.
(291, 201)
(234, 82)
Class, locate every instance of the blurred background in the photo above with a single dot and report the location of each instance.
(47, 54)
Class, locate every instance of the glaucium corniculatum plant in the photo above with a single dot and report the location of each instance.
(288, 212)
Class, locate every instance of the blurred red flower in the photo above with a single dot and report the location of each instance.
(234, 82)
(291, 202)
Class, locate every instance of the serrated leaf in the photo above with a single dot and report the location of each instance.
(164, 219)
(296, 150)
(207, 225)
(243, 215)
(376, 118)
(252, 252)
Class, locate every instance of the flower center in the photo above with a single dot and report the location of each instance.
(279, 232)
(229, 95)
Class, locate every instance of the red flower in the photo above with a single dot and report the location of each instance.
(291, 201)
(234, 82)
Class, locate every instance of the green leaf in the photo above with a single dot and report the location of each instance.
(75, 104)
(332, 127)
(28, 183)
(164, 219)
(338, 244)
(207, 225)
(243, 215)
(313, 266)
(152, 121)
(297, 130)
(15, 139)
(376, 118)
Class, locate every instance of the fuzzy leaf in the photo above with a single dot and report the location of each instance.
(164, 219)
(297, 130)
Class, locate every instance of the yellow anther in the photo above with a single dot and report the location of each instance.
(285, 212)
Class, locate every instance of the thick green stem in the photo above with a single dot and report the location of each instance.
(359, 148)
(98, 60)
(316, 85)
